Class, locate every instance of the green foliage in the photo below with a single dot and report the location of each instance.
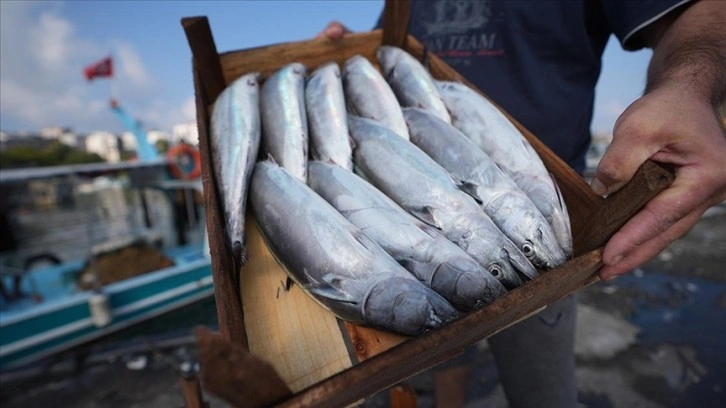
(162, 145)
(55, 154)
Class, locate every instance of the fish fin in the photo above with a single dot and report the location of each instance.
(426, 215)
(364, 240)
(560, 198)
(331, 294)
(470, 189)
(425, 59)
(429, 230)
(271, 158)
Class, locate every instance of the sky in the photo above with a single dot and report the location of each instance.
(44, 46)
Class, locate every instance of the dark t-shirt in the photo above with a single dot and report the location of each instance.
(539, 60)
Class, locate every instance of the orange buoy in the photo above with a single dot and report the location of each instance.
(184, 161)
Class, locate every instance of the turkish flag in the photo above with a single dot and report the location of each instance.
(103, 68)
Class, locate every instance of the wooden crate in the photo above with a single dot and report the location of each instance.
(325, 362)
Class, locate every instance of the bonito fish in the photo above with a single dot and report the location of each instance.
(368, 95)
(424, 189)
(327, 116)
(433, 259)
(489, 129)
(235, 141)
(477, 174)
(335, 262)
(284, 120)
(411, 82)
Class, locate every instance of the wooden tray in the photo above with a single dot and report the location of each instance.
(325, 362)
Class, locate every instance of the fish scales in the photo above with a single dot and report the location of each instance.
(336, 263)
(478, 175)
(235, 141)
(327, 116)
(284, 119)
(423, 188)
(368, 95)
(411, 82)
(432, 258)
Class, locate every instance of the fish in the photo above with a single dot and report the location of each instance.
(425, 190)
(327, 116)
(235, 141)
(479, 176)
(368, 95)
(489, 129)
(335, 263)
(411, 82)
(284, 119)
(428, 255)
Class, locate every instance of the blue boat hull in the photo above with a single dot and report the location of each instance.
(46, 329)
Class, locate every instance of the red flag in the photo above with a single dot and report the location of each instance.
(103, 68)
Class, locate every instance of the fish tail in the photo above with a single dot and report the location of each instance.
(241, 255)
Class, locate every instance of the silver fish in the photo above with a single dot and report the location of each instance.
(486, 126)
(327, 116)
(368, 95)
(426, 190)
(411, 82)
(235, 141)
(479, 176)
(433, 259)
(284, 120)
(335, 262)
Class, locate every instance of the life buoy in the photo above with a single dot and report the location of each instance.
(184, 162)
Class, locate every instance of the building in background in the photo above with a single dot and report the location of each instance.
(187, 133)
(105, 144)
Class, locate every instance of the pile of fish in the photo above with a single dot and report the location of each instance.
(395, 200)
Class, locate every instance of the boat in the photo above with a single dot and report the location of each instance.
(100, 248)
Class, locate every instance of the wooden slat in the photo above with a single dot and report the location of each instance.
(312, 53)
(396, 15)
(204, 53)
(423, 352)
(366, 342)
(226, 288)
(301, 340)
(208, 84)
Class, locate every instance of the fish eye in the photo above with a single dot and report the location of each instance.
(495, 270)
(527, 248)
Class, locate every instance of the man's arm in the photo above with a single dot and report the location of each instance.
(674, 123)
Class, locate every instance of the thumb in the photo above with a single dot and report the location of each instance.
(333, 31)
(629, 149)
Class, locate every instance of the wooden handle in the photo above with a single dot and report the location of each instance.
(618, 208)
(396, 16)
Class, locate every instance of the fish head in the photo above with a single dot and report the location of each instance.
(536, 239)
(406, 306)
(465, 283)
(503, 270)
(542, 249)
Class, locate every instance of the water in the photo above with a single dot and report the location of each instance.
(685, 311)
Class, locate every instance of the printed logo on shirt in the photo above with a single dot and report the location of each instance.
(458, 30)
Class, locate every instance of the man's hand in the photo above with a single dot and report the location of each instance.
(333, 31)
(671, 127)
(674, 123)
